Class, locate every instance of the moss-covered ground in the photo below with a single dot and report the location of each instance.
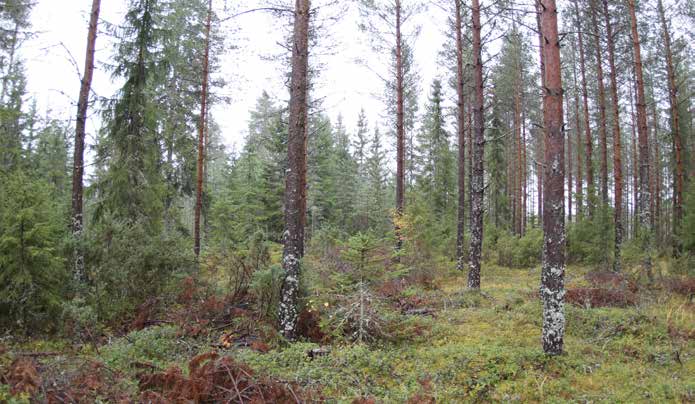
(475, 347)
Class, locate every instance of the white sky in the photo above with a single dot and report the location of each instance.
(344, 85)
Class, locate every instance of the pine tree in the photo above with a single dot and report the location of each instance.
(295, 194)
(553, 271)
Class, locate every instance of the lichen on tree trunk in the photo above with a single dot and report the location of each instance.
(293, 237)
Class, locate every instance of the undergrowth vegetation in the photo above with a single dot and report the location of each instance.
(374, 331)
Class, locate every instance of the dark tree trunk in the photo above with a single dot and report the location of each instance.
(201, 134)
(578, 194)
(517, 169)
(477, 181)
(643, 191)
(617, 146)
(461, 120)
(80, 133)
(400, 129)
(657, 175)
(524, 175)
(295, 182)
(569, 173)
(679, 175)
(602, 127)
(587, 125)
(553, 272)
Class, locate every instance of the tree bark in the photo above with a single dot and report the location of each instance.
(590, 187)
(553, 272)
(296, 172)
(679, 175)
(201, 134)
(617, 146)
(578, 192)
(80, 134)
(657, 175)
(541, 162)
(400, 129)
(461, 119)
(569, 172)
(643, 192)
(517, 169)
(477, 181)
(602, 127)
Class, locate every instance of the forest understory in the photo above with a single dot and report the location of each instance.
(423, 339)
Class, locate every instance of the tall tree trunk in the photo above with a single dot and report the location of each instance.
(477, 182)
(569, 174)
(679, 175)
(602, 127)
(553, 272)
(578, 192)
(400, 129)
(643, 192)
(524, 175)
(657, 175)
(617, 146)
(541, 162)
(516, 171)
(80, 133)
(461, 120)
(588, 158)
(634, 173)
(201, 134)
(295, 181)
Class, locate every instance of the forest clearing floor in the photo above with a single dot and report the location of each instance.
(439, 344)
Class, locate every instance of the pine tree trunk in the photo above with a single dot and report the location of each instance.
(461, 120)
(201, 134)
(578, 194)
(400, 129)
(679, 175)
(541, 162)
(477, 181)
(617, 146)
(644, 196)
(80, 133)
(569, 173)
(524, 175)
(588, 158)
(517, 169)
(602, 127)
(657, 176)
(295, 181)
(553, 272)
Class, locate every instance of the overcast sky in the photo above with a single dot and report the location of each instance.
(345, 85)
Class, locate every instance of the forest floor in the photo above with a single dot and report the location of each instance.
(451, 345)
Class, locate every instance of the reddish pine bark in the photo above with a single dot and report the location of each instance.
(80, 133)
(461, 120)
(679, 175)
(602, 127)
(617, 146)
(201, 134)
(540, 163)
(478, 172)
(553, 272)
(295, 179)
